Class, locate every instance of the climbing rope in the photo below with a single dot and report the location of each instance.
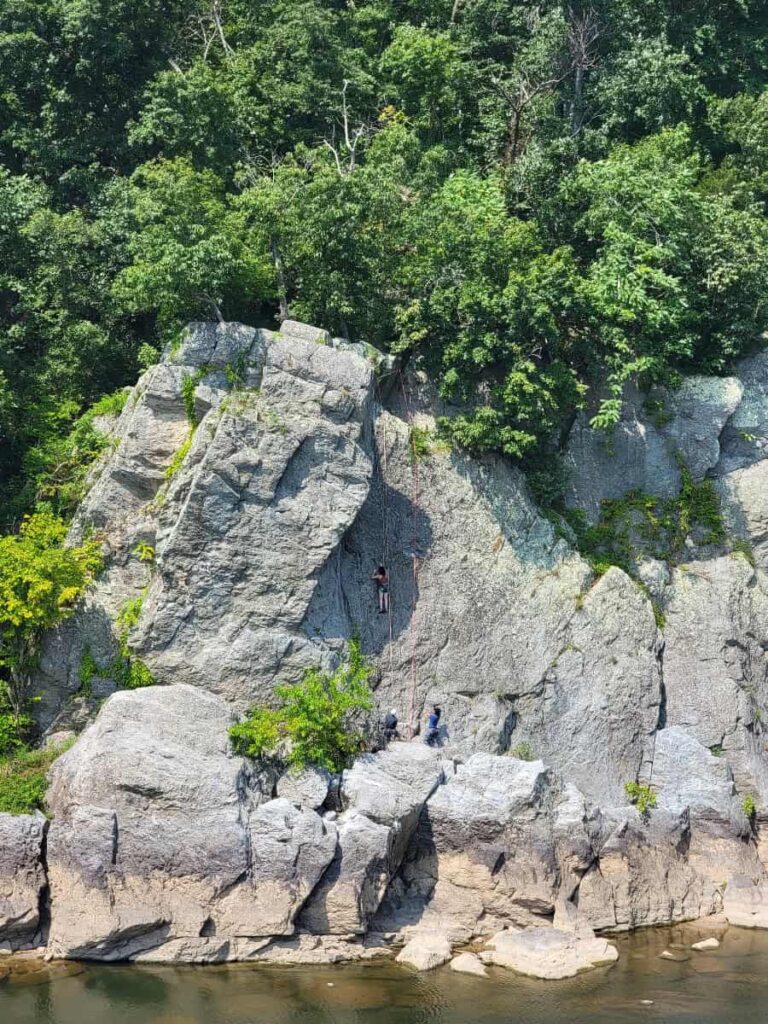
(415, 496)
(385, 508)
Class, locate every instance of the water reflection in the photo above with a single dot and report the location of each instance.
(727, 985)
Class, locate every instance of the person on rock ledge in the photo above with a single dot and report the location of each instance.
(433, 727)
(382, 589)
(390, 726)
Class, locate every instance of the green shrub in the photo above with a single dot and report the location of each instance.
(314, 722)
(748, 806)
(643, 797)
(88, 671)
(419, 444)
(57, 467)
(13, 728)
(147, 356)
(523, 751)
(639, 523)
(189, 390)
(128, 671)
(178, 459)
(23, 780)
(144, 552)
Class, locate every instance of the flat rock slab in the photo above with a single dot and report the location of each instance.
(746, 904)
(705, 944)
(425, 951)
(549, 953)
(469, 963)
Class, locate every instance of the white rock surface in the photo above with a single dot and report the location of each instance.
(425, 951)
(549, 953)
(469, 963)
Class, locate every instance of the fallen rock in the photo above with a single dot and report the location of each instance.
(549, 953)
(469, 963)
(710, 943)
(677, 957)
(425, 951)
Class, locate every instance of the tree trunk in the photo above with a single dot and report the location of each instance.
(282, 290)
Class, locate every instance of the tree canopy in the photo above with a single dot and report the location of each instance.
(529, 199)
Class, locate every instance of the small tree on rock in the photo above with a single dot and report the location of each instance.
(41, 581)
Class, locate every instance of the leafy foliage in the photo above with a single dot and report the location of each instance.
(749, 806)
(640, 522)
(41, 581)
(23, 779)
(533, 201)
(642, 796)
(314, 722)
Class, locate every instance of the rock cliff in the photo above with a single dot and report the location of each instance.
(253, 482)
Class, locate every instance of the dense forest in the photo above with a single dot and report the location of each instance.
(535, 200)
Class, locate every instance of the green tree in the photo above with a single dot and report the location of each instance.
(188, 247)
(314, 722)
(41, 581)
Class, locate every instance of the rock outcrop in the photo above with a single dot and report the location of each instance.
(23, 881)
(252, 485)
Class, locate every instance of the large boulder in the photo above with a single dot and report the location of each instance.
(22, 879)
(550, 953)
(495, 846)
(158, 838)
(383, 795)
(240, 512)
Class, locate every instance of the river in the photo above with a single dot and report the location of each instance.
(725, 986)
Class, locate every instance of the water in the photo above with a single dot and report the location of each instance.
(727, 986)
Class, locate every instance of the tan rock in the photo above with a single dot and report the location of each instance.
(549, 953)
(425, 951)
(469, 963)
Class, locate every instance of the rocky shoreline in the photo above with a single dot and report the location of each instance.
(559, 685)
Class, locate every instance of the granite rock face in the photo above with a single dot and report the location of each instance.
(383, 795)
(276, 464)
(22, 880)
(269, 489)
(642, 452)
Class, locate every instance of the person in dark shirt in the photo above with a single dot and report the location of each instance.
(382, 589)
(390, 726)
(433, 727)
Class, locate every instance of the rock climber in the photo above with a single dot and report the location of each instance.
(390, 726)
(433, 727)
(382, 589)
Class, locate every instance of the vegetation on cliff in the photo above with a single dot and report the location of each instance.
(532, 198)
(316, 722)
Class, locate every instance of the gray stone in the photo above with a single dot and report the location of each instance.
(22, 879)
(706, 944)
(245, 532)
(745, 902)
(425, 951)
(641, 452)
(306, 788)
(155, 838)
(468, 963)
(292, 329)
(549, 953)
(715, 665)
(383, 795)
